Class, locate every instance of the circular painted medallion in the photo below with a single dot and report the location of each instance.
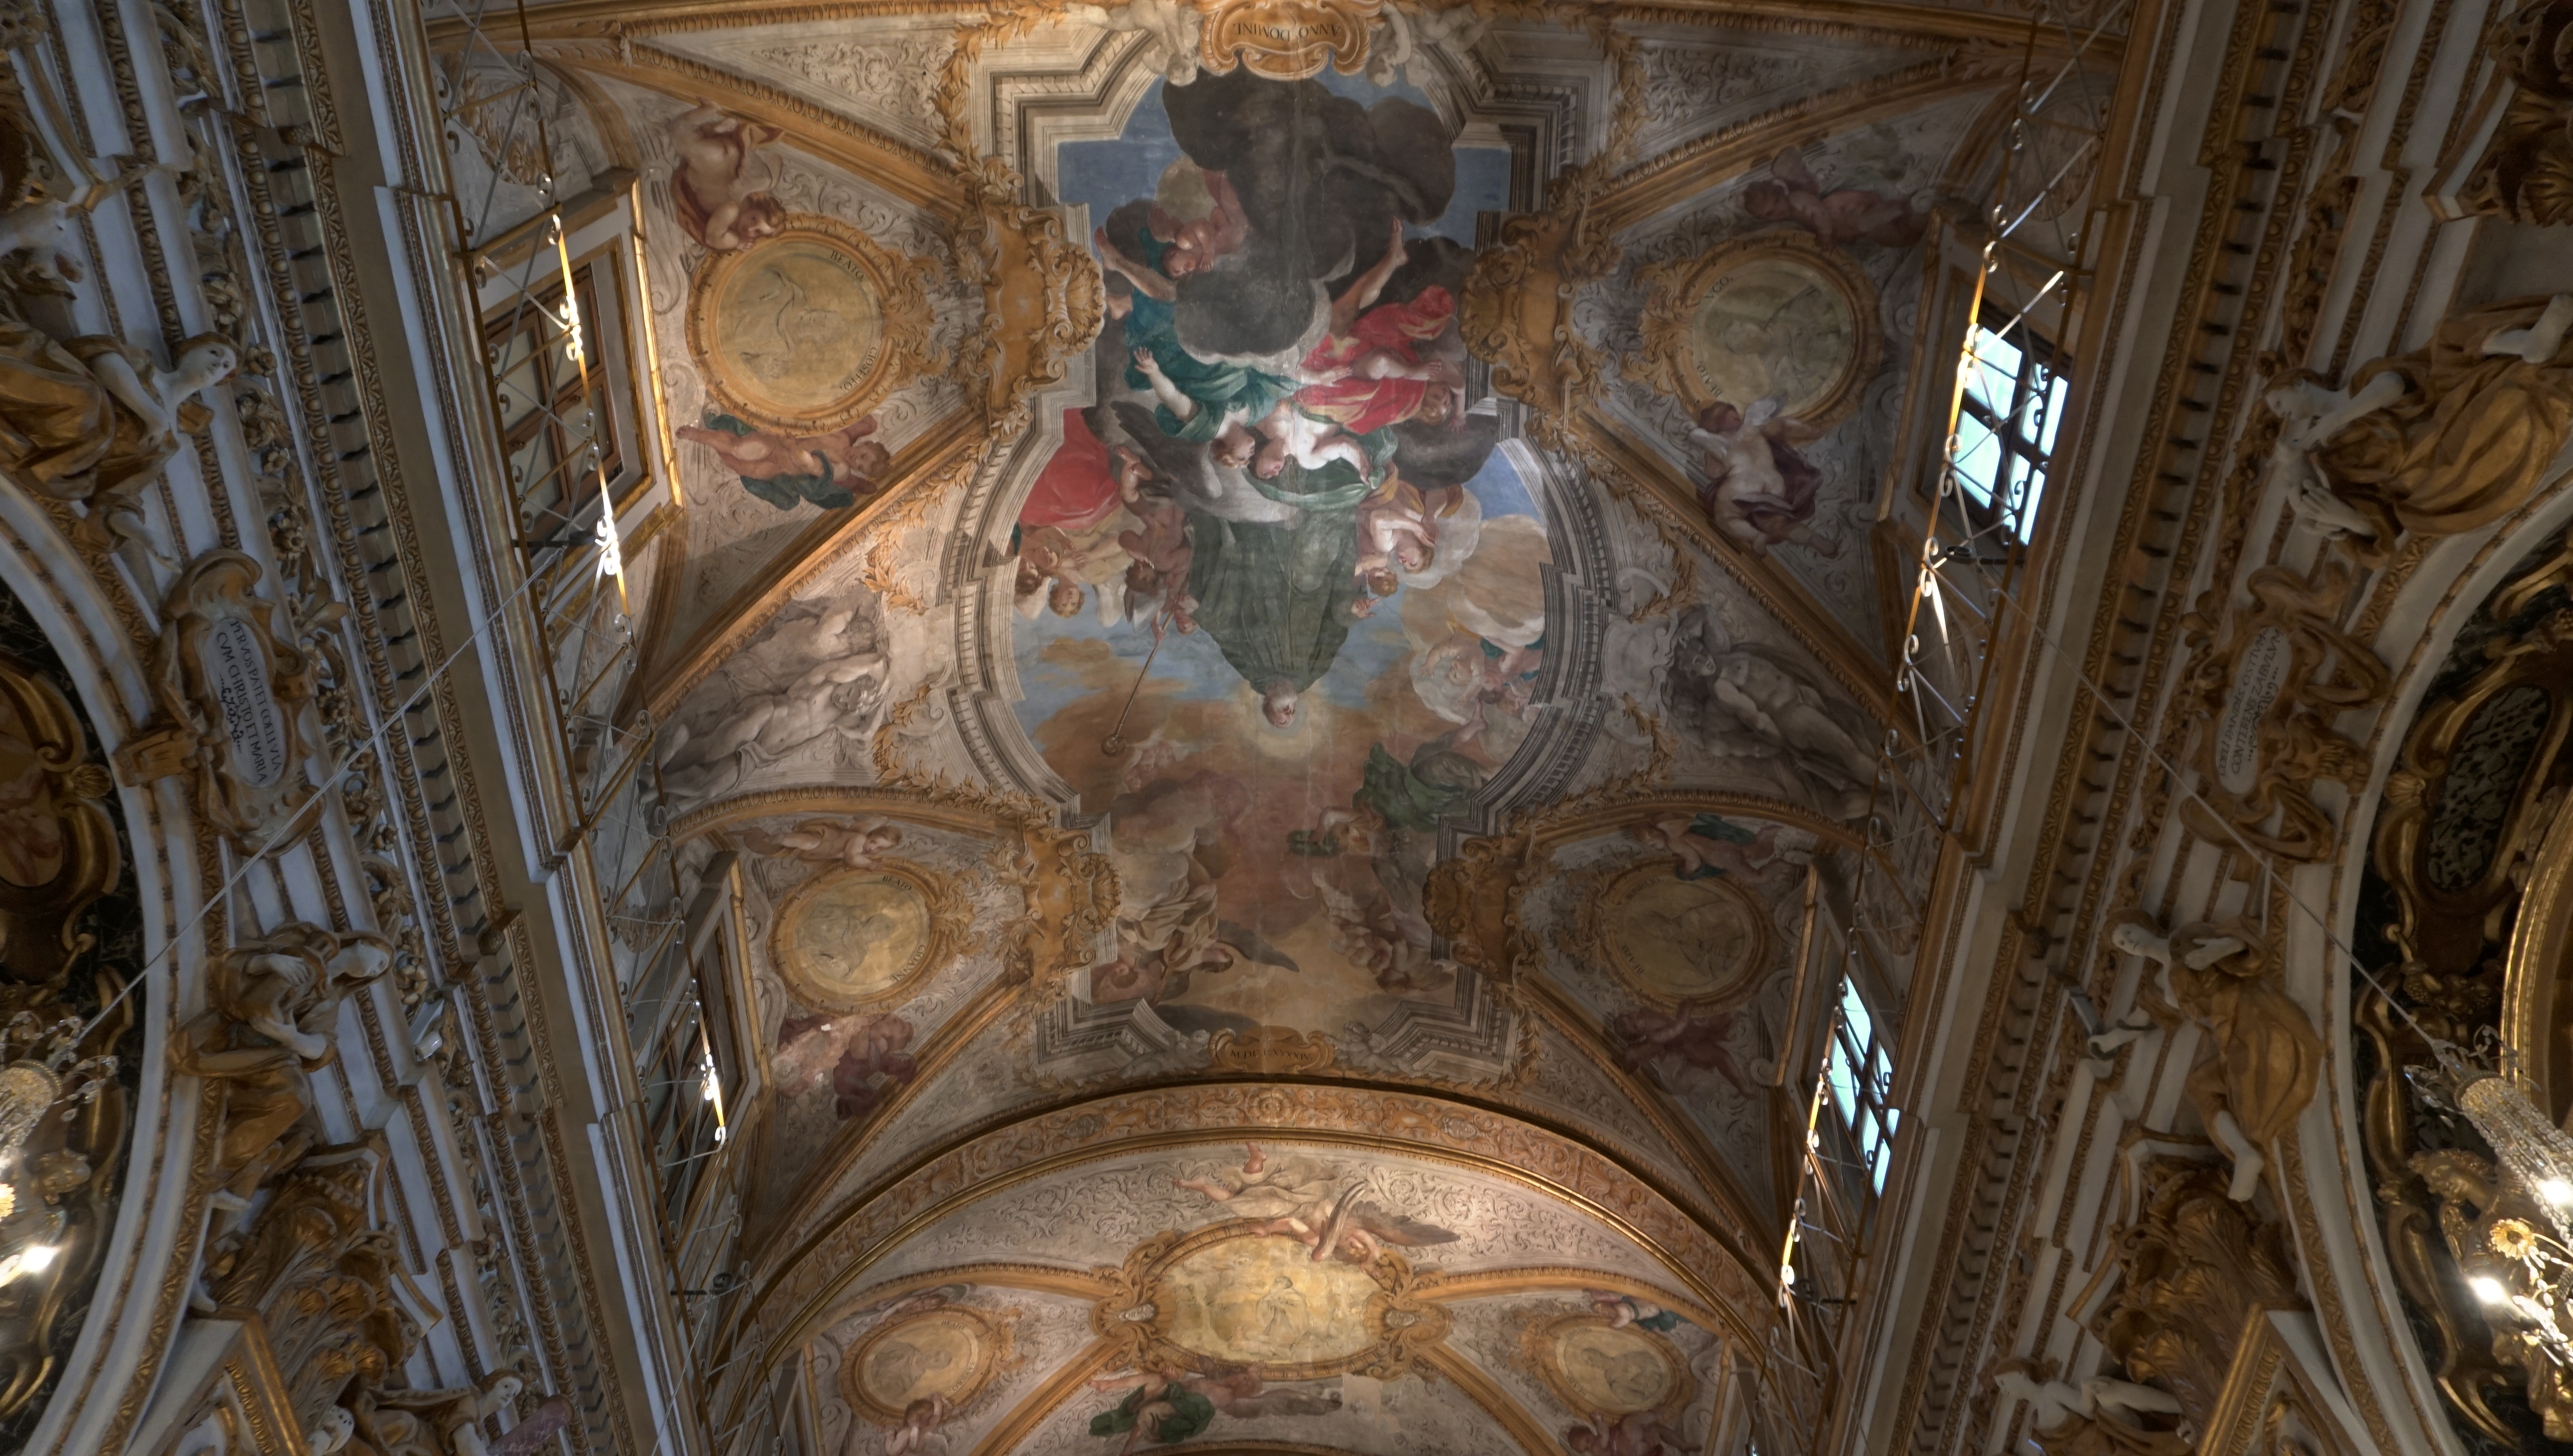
(1774, 326)
(1613, 1369)
(1675, 941)
(853, 939)
(791, 331)
(945, 1354)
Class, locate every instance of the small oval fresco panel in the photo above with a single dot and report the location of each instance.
(1265, 1301)
(940, 1355)
(1613, 1369)
(792, 330)
(1676, 940)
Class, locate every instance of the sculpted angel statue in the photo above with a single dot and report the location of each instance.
(2448, 437)
(2266, 1055)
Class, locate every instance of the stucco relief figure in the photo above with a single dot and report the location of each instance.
(437, 1422)
(854, 844)
(90, 416)
(814, 676)
(2264, 1054)
(271, 1009)
(710, 185)
(1759, 491)
(1838, 216)
(2448, 437)
(1745, 701)
(831, 471)
(1336, 1214)
(1172, 28)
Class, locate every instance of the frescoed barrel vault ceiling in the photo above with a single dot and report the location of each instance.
(1278, 606)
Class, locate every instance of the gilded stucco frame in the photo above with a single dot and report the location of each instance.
(950, 914)
(992, 1353)
(901, 284)
(1673, 289)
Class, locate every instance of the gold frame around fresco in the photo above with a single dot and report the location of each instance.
(948, 915)
(991, 1352)
(1672, 291)
(1134, 1315)
(902, 285)
(1538, 1341)
(1596, 937)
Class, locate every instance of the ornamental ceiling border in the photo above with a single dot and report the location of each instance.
(831, 1259)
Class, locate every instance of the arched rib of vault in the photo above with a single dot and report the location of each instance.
(853, 1231)
(793, 1299)
(1717, 1202)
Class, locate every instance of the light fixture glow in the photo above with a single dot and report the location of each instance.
(34, 1258)
(2488, 1290)
(2558, 1191)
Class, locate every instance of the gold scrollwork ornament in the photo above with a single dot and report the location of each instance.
(2266, 684)
(233, 693)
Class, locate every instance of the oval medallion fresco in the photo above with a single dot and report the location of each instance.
(1613, 1369)
(1266, 1301)
(1775, 326)
(942, 1355)
(1676, 940)
(792, 330)
(851, 939)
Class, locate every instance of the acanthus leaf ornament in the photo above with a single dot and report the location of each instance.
(1043, 298)
(1517, 310)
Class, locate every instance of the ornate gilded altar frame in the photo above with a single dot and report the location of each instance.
(950, 917)
(901, 284)
(1674, 288)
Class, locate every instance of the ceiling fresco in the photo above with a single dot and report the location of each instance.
(1276, 605)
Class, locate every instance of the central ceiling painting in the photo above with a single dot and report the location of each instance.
(1279, 602)
(1277, 606)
